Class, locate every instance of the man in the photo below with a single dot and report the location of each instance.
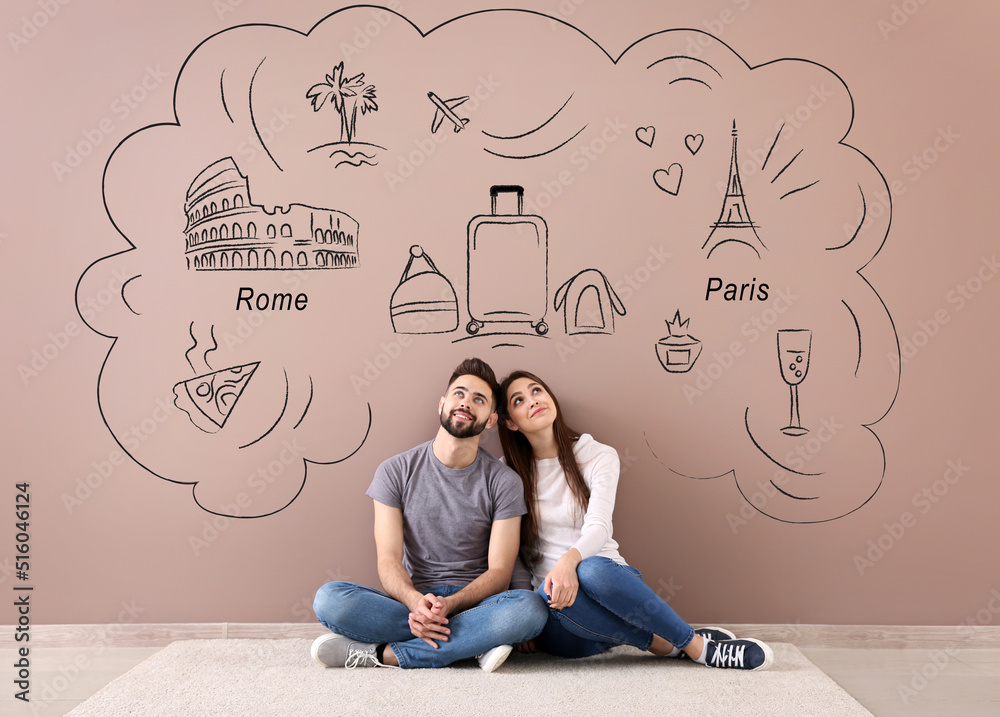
(447, 531)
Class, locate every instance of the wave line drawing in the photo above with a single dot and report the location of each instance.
(774, 144)
(531, 131)
(686, 58)
(782, 170)
(215, 346)
(281, 415)
(308, 404)
(125, 299)
(794, 191)
(193, 347)
(861, 223)
(746, 422)
(537, 154)
(253, 120)
(222, 95)
(857, 327)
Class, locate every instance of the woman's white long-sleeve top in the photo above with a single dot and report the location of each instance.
(561, 523)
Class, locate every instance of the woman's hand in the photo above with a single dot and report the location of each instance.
(526, 648)
(561, 584)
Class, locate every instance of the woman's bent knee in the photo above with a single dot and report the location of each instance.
(594, 568)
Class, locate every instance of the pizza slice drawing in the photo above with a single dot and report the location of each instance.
(209, 399)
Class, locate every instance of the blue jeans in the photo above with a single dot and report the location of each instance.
(369, 615)
(613, 607)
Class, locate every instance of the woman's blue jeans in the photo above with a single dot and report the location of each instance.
(613, 607)
(368, 615)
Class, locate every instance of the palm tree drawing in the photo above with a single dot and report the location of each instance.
(346, 94)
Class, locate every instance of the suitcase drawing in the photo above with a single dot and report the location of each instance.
(508, 262)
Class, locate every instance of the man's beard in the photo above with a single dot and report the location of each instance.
(465, 429)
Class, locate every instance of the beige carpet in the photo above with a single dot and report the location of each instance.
(229, 678)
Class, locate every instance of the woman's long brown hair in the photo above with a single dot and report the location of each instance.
(517, 451)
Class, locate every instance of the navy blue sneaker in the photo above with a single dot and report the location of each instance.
(709, 633)
(747, 654)
(714, 633)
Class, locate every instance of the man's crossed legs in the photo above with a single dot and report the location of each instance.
(368, 616)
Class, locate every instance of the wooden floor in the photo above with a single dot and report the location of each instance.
(890, 683)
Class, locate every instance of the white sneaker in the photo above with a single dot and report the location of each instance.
(492, 659)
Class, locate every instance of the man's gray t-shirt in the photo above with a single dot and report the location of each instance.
(447, 513)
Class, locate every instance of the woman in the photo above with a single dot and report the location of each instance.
(596, 600)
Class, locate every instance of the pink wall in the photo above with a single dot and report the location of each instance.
(884, 513)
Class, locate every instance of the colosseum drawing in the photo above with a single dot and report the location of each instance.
(225, 231)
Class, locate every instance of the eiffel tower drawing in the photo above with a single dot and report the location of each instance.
(734, 224)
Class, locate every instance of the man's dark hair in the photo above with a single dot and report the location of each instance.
(480, 369)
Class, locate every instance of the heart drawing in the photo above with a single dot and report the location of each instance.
(646, 135)
(694, 142)
(669, 179)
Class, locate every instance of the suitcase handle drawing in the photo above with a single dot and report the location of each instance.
(498, 189)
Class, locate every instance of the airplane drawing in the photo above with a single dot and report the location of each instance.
(445, 108)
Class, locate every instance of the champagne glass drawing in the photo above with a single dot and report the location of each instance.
(794, 346)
